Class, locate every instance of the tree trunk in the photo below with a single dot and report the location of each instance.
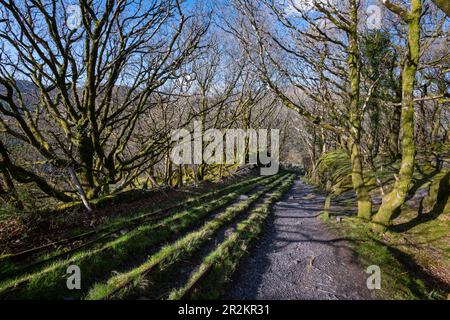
(359, 185)
(180, 176)
(9, 193)
(438, 194)
(80, 189)
(168, 171)
(86, 154)
(151, 176)
(362, 194)
(394, 134)
(396, 198)
(327, 205)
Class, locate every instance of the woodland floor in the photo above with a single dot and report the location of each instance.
(299, 256)
(22, 232)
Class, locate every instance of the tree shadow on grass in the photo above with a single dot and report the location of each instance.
(419, 183)
(415, 271)
(438, 208)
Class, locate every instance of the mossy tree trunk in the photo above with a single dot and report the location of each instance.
(86, 154)
(394, 134)
(396, 198)
(9, 192)
(168, 172)
(180, 176)
(438, 194)
(200, 172)
(359, 185)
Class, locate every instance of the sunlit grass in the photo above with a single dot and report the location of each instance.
(50, 281)
(9, 266)
(398, 281)
(223, 261)
(173, 252)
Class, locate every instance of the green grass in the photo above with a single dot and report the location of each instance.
(209, 280)
(49, 283)
(399, 282)
(435, 233)
(126, 284)
(9, 265)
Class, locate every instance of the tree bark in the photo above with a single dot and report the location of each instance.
(86, 153)
(80, 189)
(362, 193)
(359, 185)
(396, 198)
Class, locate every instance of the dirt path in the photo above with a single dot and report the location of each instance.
(299, 257)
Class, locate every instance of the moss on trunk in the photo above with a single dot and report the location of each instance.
(85, 150)
(396, 198)
(363, 196)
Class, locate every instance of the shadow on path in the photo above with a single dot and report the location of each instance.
(299, 257)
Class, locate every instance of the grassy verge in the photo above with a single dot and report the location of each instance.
(126, 284)
(10, 265)
(209, 281)
(139, 218)
(50, 283)
(402, 278)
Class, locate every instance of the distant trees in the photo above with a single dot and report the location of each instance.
(357, 84)
(319, 60)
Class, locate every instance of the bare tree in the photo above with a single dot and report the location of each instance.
(288, 60)
(88, 85)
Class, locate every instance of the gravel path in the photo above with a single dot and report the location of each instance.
(299, 258)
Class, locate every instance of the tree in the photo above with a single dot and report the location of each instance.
(76, 95)
(331, 79)
(397, 196)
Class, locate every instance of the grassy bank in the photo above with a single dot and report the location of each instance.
(211, 277)
(126, 284)
(402, 276)
(97, 263)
